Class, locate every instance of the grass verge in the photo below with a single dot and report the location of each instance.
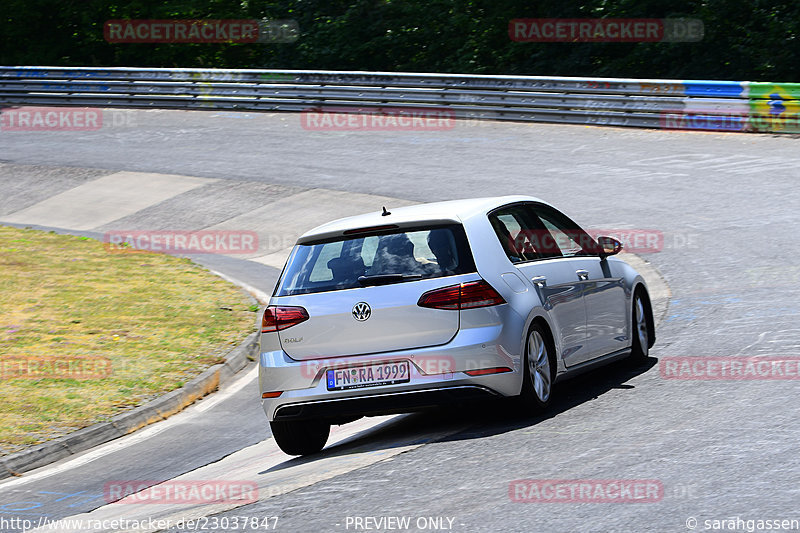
(86, 333)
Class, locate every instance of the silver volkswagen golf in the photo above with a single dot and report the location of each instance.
(396, 311)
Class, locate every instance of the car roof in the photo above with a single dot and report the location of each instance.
(449, 211)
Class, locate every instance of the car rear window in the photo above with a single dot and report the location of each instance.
(381, 258)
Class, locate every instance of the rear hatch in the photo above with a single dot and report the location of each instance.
(361, 291)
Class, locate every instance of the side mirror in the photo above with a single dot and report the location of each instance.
(609, 246)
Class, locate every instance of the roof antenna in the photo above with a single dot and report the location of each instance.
(385, 212)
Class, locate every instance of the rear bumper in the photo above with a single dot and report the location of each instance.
(437, 376)
(381, 404)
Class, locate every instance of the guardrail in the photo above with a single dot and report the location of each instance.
(670, 104)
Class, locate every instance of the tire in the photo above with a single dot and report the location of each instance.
(300, 437)
(539, 371)
(641, 327)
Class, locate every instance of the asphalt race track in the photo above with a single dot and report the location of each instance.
(725, 205)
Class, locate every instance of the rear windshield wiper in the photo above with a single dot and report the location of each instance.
(384, 279)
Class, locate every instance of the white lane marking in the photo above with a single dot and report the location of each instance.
(229, 391)
(136, 437)
(96, 453)
(273, 472)
(337, 434)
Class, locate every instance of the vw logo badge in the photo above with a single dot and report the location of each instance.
(362, 311)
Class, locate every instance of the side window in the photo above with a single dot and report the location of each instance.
(513, 229)
(561, 236)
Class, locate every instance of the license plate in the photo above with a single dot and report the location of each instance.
(358, 377)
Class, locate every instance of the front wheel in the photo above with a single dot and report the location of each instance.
(539, 372)
(300, 437)
(640, 346)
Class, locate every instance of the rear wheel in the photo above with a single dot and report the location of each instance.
(537, 387)
(640, 345)
(300, 437)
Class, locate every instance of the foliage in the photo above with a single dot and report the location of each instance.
(744, 40)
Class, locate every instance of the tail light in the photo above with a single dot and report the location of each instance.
(277, 318)
(463, 296)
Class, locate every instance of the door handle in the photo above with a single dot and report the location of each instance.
(582, 274)
(539, 281)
